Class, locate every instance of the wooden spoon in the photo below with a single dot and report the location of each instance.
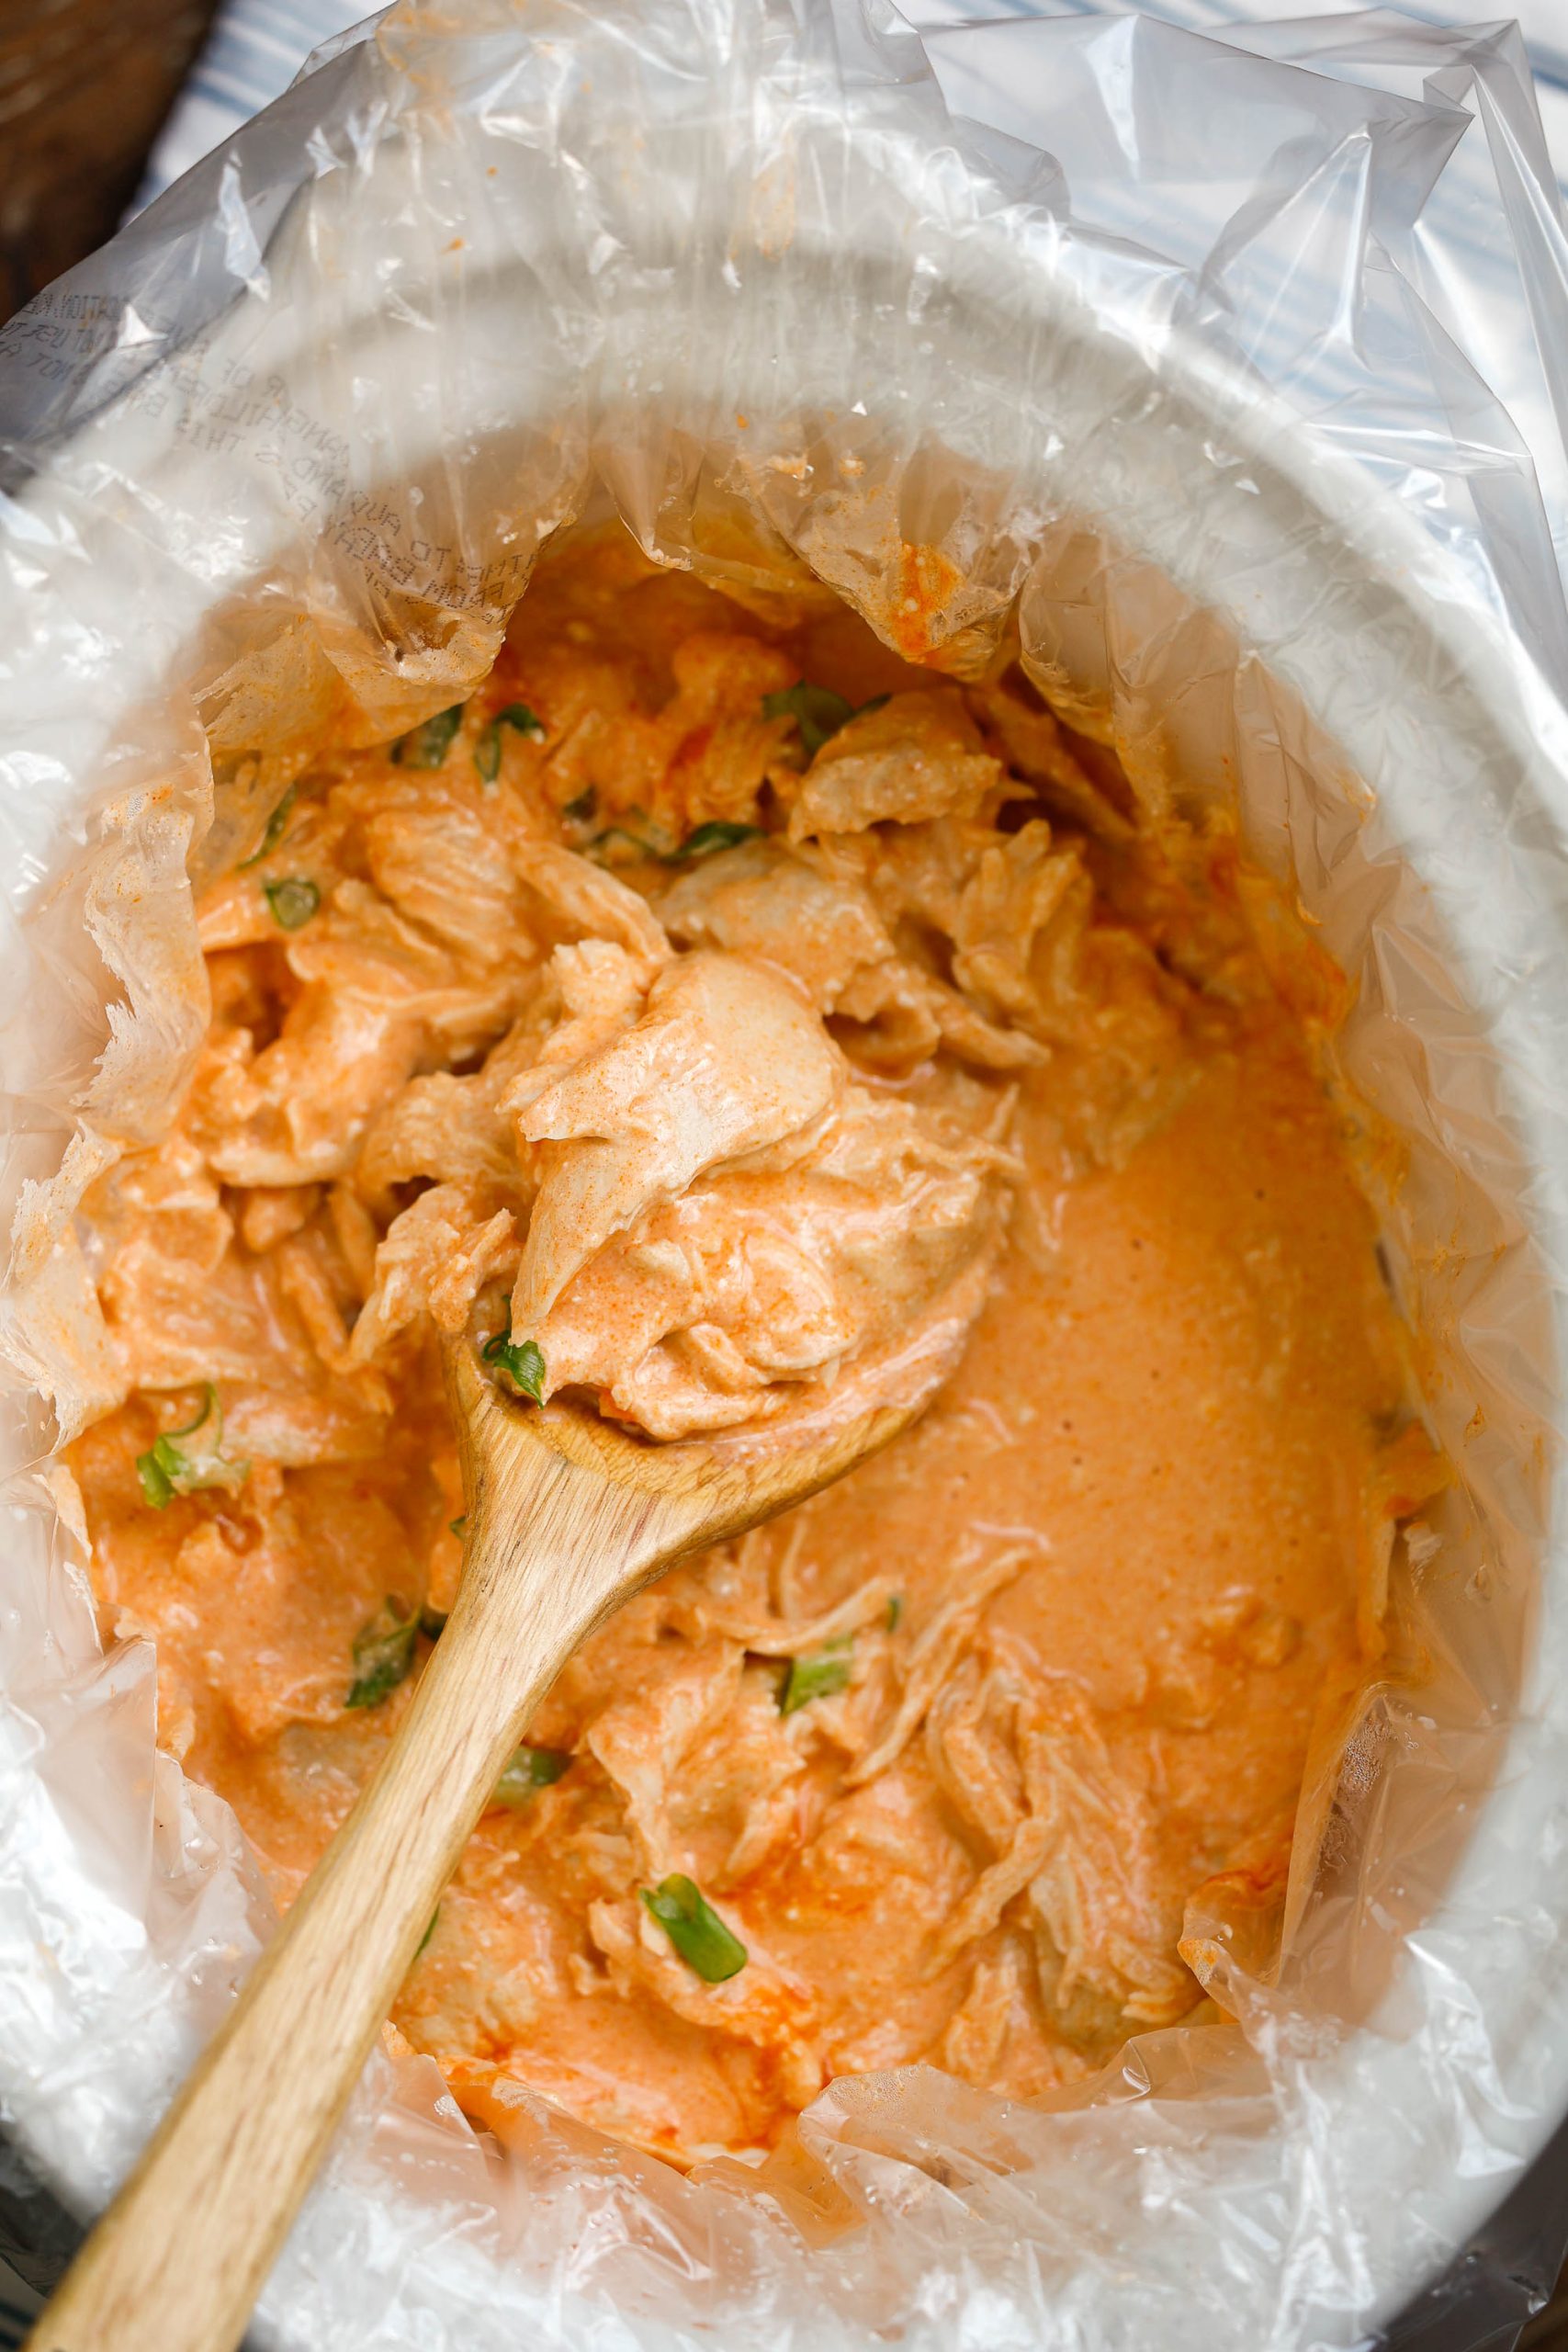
(567, 1519)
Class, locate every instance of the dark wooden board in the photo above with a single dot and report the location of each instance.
(1550, 2332)
(84, 87)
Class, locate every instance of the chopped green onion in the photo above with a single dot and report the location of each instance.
(156, 1486)
(818, 711)
(429, 1931)
(487, 750)
(894, 1610)
(599, 849)
(522, 1363)
(695, 1930)
(293, 902)
(275, 825)
(458, 1526)
(816, 1675)
(527, 1770)
(171, 1467)
(383, 1653)
(526, 722)
(426, 745)
(717, 834)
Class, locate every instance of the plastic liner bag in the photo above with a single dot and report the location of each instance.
(1186, 362)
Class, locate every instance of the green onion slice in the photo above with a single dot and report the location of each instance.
(529, 1769)
(608, 848)
(717, 834)
(172, 1466)
(383, 1653)
(292, 901)
(518, 715)
(429, 1931)
(487, 750)
(895, 1611)
(818, 711)
(275, 824)
(522, 1362)
(426, 745)
(816, 1675)
(618, 843)
(695, 1930)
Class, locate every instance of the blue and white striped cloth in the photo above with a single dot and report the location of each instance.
(253, 53)
(257, 47)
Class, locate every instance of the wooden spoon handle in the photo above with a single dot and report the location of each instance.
(176, 2263)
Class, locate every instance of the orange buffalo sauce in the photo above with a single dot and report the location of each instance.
(948, 1751)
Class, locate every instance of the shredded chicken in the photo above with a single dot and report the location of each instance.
(750, 1022)
(919, 756)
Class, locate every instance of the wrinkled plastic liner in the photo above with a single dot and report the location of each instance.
(1174, 359)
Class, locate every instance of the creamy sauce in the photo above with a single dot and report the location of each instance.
(1059, 1650)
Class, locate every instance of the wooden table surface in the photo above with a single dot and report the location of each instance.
(1550, 2332)
(84, 86)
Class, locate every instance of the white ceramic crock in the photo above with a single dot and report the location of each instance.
(1178, 546)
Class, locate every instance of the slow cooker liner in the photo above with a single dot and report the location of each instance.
(322, 508)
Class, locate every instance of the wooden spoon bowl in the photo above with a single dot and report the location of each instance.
(568, 1517)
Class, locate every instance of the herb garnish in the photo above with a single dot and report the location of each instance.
(292, 901)
(894, 1610)
(487, 750)
(695, 1930)
(818, 711)
(599, 848)
(522, 1362)
(527, 1770)
(383, 1653)
(171, 1466)
(816, 1675)
(426, 745)
(717, 834)
(458, 1526)
(429, 1931)
(525, 721)
(275, 825)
